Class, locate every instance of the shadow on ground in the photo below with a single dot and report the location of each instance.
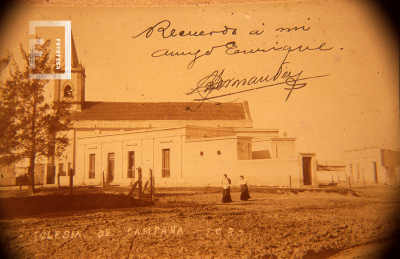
(15, 207)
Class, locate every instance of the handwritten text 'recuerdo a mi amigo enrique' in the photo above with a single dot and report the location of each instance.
(215, 81)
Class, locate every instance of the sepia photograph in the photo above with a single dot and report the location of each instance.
(199, 129)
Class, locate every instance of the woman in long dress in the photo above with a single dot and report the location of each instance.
(244, 189)
(226, 195)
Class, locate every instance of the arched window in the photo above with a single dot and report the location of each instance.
(68, 91)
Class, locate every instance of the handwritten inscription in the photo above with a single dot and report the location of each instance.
(231, 48)
(163, 26)
(292, 29)
(53, 235)
(104, 233)
(155, 231)
(230, 232)
(207, 87)
(215, 82)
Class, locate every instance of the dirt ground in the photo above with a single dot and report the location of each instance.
(193, 223)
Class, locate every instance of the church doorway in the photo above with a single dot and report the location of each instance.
(307, 170)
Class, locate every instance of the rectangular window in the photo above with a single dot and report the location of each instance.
(131, 164)
(166, 163)
(92, 160)
(61, 169)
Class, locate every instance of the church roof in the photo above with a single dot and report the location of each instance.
(161, 111)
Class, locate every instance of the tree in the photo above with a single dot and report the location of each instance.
(7, 112)
(34, 127)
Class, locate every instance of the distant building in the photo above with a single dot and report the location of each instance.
(331, 172)
(373, 166)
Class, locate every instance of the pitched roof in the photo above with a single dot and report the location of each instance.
(159, 111)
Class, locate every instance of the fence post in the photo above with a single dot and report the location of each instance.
(152, 186)
(332, 177)
(349, 181)
(71, 181)
(58, 180)
(290, 181)
(140, 182)
(103, 179)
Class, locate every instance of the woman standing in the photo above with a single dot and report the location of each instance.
(226, 195)
(244, 196)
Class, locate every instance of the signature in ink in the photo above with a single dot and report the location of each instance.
(214, 82)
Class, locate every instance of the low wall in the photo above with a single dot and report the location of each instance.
(260, 172)
(7, 176)
(331, 176)
(269, 172)
(8, 181)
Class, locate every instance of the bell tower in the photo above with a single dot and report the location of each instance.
(72, 90)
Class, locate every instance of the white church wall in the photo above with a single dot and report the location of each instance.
(205, 161)
(96, 178)
(269, 172)
(244, 148)
(285, 148)
(132, 145)
(194, 162)
(147, 145)
(173, 144)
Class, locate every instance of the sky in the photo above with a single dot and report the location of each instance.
(350, 100)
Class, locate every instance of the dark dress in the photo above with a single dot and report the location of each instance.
(226, 195)
(244, 196)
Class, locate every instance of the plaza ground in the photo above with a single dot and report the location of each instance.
(193, 223)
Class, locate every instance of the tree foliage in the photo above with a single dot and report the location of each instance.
(7, 112)
(32, 127)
